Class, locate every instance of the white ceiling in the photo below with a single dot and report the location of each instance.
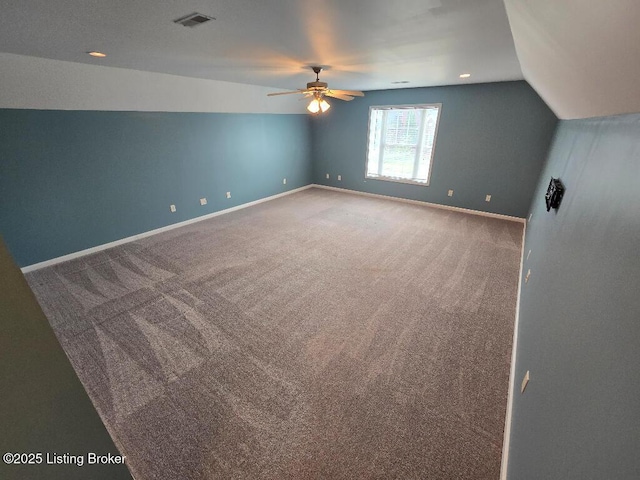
(581, 56)
(365, 44)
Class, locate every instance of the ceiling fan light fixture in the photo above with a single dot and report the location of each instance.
(314, 106)
(317, 91)
(318, 105)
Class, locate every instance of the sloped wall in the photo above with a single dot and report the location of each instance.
(579, 328)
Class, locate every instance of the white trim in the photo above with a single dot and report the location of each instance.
(512, 373)
(82, 253)
(396, 180)
(426, 204)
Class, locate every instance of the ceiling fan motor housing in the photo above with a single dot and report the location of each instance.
(317, 85)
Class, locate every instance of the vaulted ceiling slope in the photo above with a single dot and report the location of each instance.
(581, 56)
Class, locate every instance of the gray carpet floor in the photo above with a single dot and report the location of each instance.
(322, 335)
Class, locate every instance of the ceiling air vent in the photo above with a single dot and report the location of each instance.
(193, 20)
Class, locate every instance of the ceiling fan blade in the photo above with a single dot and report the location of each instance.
(353, 93)
(340, 96)
(285, 93)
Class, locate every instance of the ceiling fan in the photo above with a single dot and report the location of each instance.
(318, 90)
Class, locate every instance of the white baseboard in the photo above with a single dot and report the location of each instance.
(512, 374)
(115, 243)
(427, 204)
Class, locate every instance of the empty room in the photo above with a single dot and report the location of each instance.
(320, 240)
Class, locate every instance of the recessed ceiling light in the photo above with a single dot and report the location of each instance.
(97, 54)
(465, 75)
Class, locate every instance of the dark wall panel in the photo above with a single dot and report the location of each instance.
(44, 406)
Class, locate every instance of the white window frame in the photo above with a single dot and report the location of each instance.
(422, 106)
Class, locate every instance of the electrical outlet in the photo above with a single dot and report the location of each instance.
(339, 178)
(450, 193)
(228, 194)
(203, 201)
(172, 208)
(327, 175)
(525, 382)
(487, 198)
(284, 181)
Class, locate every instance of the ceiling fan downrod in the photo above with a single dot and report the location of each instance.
(317, 85)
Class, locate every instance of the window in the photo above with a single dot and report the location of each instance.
(401, 142)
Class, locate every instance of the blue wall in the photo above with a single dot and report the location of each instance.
(492, 139)
(579, 330)
(71, 180)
